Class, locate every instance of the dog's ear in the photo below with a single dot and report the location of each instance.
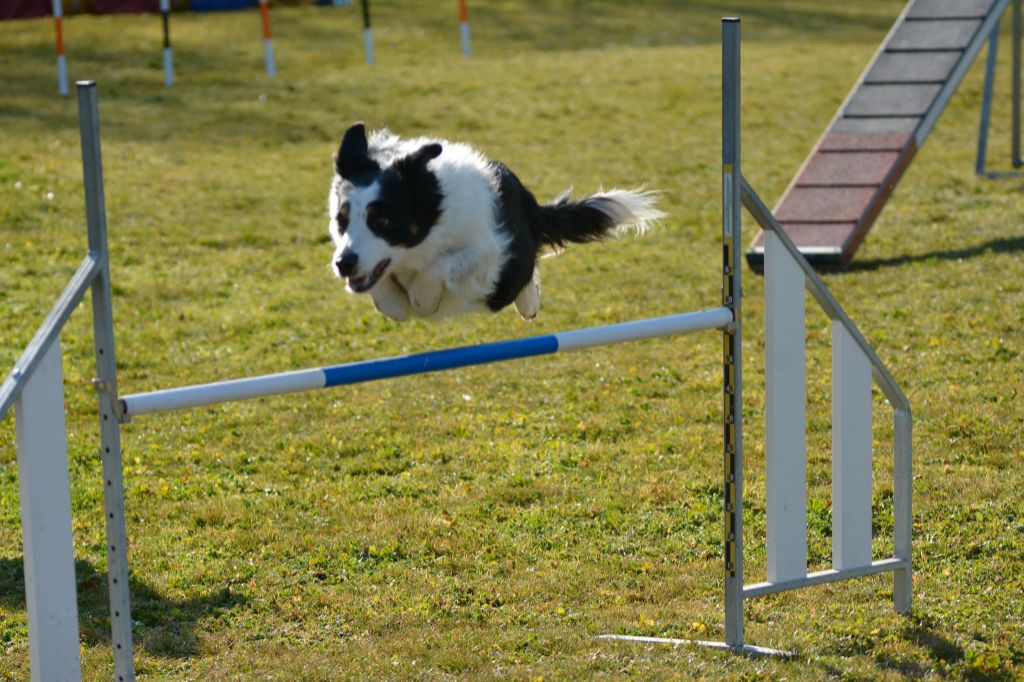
(416, 162)
(425, 153)
(353, 155)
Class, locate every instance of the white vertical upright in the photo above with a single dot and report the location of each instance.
(45, 491)
(851, 451)
(785, 413)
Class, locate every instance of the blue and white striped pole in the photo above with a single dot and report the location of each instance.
(421, 363)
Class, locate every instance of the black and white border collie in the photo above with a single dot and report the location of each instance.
(431, 228)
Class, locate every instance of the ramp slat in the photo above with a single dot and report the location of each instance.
(950, 9)
(892, 100)
(934, 34)
(825, 204)
(834, 141)
(912, 67)
(847, 168)
(878, 125)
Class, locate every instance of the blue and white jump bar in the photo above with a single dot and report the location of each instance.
(420, 363)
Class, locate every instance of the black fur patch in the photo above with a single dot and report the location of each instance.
(410, 195)
(518, 212)
(353, 162)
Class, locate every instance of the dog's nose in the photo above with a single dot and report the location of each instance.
(347, 263)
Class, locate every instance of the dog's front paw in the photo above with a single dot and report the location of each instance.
(425, 294)
(390, 299)
(425, 306)
(395, 312)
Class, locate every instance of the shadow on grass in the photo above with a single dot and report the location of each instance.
(169, 625)
(1007, 245)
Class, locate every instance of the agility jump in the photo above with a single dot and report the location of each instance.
(35, 390)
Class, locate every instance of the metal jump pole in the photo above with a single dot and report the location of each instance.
(732, 348)
(106, 386)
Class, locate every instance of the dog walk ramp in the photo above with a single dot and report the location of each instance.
(843, 184)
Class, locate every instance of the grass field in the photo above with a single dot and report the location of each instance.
(487, 523)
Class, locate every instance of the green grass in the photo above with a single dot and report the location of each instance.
(488, 522)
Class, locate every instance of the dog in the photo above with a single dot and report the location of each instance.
(431, 228)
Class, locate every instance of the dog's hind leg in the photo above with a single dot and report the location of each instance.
(391, 299)
(528, 300)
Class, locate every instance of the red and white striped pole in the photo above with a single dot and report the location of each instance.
(464, 26)
(165, 13)
(62, 64)
(268, 46)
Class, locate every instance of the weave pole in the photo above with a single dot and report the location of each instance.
(268, 45)
(367, 33)
(464, 27)
(62, 64)
(165, 14)
(421, 363)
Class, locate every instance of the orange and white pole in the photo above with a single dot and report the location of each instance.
(464, 26)
(62, 64)
(268, 46)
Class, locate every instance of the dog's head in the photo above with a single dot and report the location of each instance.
(378, 212)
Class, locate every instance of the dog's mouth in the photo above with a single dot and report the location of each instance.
(358, 285)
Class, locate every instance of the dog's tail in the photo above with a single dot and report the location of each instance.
(596, 217)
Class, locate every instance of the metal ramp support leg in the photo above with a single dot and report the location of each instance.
(986, 100)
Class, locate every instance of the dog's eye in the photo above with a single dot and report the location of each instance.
(342, 217)
(376, 218)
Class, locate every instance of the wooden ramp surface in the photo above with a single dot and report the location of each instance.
(842, 186)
